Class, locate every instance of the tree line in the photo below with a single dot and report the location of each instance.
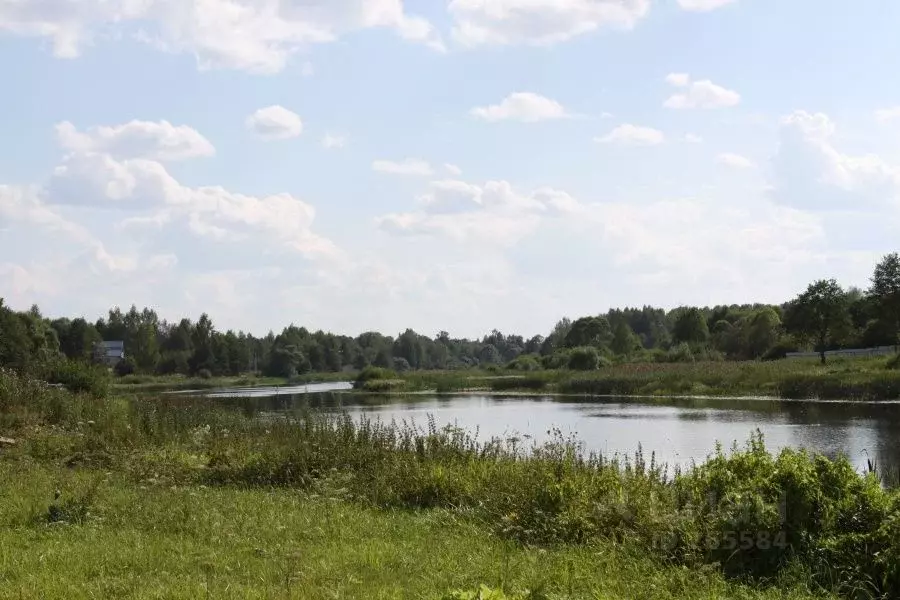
(823, 317)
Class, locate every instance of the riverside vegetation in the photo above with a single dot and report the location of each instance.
(144, 496)
(825, 316)
(840, 379)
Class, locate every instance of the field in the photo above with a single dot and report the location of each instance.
(150, 540)
(844, 379)
(179, 497)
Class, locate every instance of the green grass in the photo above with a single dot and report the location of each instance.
(146, 540)
(850, 379)
(161, 383)
(187, 477)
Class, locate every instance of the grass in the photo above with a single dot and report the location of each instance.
(146, 540)
(161, 383)
(176, 483)
(850, 379)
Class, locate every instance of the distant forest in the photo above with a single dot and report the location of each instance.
(825, 316)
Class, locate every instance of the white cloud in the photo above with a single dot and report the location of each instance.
(633, 135)
(735, 160)
(811, 172)
(494, 213)
(699, 94)
(275, 123)
(887, 114)
(693, 138)
(678, 79)
(539, 22)
(409, 166)
(91, 179)
(332, 141)
(241, 34)
(452, 169)
(24, 205)
(137, 139)
(527, 107)
(703, 5)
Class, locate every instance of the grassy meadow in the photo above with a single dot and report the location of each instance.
(178, 497)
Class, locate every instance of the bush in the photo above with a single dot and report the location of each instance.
(401, 365)
(373, 374)
(584, 359)
(525, 362)
(680, 353)
(125, 367)
(78, 377)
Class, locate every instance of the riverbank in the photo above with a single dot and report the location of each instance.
(799, 379)
(174, 383)
(150, 540)
(148, 484)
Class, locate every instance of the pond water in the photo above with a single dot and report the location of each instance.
(677, 430)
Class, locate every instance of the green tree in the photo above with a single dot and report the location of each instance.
(589, 331)
(820, 315)
(885, 292)
(623, 341)
(203, 356)
(762, 329)
(584, 359)
(690, 327)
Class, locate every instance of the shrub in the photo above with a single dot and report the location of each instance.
(525, 362)
(78, 377)
(584, 359)
(680, 353)
(372, 374)
(125, 367)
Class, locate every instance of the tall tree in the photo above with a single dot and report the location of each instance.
(820, 314)
(624, 341)
(885, 292)
(589, 331)
(690, 326)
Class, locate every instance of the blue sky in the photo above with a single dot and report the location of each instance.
(464, 165)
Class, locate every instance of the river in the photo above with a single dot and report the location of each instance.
(677, 430)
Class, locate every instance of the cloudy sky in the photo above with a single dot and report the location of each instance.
(464, 165)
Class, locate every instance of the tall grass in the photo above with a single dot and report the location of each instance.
(747, 512)
(850, 379)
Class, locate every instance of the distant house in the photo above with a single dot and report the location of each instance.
(109, 353)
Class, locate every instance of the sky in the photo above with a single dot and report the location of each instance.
(462, 165)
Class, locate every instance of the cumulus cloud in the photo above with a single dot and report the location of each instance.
(693, 138)
(809, 171)
(699, 94)
(93, 179)
(703, 5)
(24, 205)
(494, 213)
(137, 139)
(633, 135)
(409, 166)
(736, 161)
(884, 115)
(275, 123)
(452, 169)
(539, 22)
(332, 141)
(527, 107)
(241, 34)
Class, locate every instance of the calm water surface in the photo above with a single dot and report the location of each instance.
(678, 430)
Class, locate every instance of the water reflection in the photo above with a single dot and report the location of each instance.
(677, 430)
